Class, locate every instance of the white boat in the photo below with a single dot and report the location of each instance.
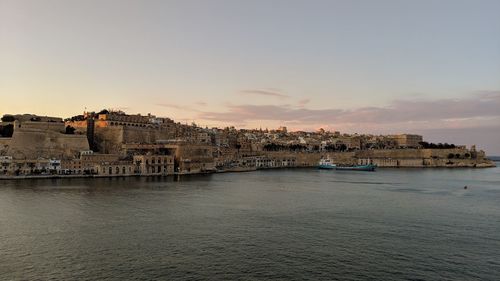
(326, 163)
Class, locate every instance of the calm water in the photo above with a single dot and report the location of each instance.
(301, 224)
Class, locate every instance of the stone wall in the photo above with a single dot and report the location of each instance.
(423, 158)
(410, 153)
(43, 126)
(109, 139)
(33, 144)
(389, 158)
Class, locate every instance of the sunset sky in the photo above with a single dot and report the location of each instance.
(427, 67)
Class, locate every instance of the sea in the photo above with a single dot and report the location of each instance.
(283, 224)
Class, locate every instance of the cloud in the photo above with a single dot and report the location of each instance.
(487, 138)
(265, 92)
(201, 103)
(483, 107)
(177, 106)
(303, 102)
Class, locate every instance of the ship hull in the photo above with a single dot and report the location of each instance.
(368, 168)
(326, 167)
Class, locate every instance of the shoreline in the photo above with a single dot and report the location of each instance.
(238, 170)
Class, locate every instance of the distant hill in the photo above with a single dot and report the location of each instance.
(494, 158)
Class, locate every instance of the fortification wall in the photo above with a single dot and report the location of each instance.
(345, 158)
(306, 159)
(139, 135)
(109, 139)
(422, 158)
(390, 158)
(33, 144)
(411, 153)
(145, 135)
(80, 126)
(394, 153)
(44, 126)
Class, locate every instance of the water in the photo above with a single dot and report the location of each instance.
(302, 224)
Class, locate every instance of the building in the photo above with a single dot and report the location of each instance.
(407, 140)
(71, 167)
(116, 168)
(158, 165)
(5, 164)
(90, 160)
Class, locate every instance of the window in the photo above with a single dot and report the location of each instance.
(117, 169)
(110, 170)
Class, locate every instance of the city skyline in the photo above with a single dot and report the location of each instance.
(367, 67)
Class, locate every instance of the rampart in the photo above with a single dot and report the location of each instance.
(392, 158)
(111, 138)
(33, 144)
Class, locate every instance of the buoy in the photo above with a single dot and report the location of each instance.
(465, 187)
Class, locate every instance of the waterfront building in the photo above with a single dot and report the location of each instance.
(116, 168)
(160, 165)
(72, 167)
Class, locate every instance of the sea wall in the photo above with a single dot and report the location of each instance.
(311, 159)
(392, 158)
(460, 157)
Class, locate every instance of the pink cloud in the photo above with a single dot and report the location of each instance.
(177, 106)
(265, 92)
(303, 102)
(480, 109)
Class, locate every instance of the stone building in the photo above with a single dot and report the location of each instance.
(25, 167)
(40, 137)
(190, 158)
(160, 165)
(116, 168)
(407, 140)
(72, 167)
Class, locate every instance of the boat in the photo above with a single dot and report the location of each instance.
(326, 163)
(367, 167)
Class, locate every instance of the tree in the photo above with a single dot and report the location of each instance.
(7, 131)
(451, 156)
(70, 130)
(104, 111)
(424, 144)
(343, 147)
(8, 118)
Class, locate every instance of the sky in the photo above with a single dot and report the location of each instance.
(357, 66)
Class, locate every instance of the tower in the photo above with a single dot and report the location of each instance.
(90, 131)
